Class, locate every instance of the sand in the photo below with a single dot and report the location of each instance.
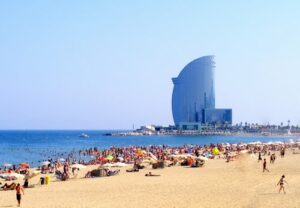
(219, 184)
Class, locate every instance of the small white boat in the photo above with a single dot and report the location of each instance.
(83, 135)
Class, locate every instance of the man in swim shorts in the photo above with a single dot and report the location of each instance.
(19, 189)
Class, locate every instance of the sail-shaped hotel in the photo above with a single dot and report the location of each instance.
(193, 100)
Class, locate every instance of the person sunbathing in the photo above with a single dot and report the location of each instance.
(151, 174)
(173, 162)
(112, 173)
(135, 168)
(184, 162)
(11, 186)
(197, 164)
(88, 174)
(132, 170)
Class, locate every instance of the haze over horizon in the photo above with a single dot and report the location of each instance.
(108, 65)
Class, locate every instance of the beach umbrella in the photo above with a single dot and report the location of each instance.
(45, 163)
(24, 165)
(79, 166)
(109, 157)
(7, 165)
(216, 151)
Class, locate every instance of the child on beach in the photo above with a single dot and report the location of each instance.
(19, 189)
(281, 183)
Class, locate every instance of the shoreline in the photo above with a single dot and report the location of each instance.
(205, 135)
(196, 133)
(239, 183)
(293, 139)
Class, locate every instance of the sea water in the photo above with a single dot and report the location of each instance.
(35, 146)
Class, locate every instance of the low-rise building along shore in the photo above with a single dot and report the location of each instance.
(208, 130)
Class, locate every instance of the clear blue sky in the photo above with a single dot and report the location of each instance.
(108, 64)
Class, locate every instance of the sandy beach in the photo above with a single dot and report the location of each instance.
(240, 183)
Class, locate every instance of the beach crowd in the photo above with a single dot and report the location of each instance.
(139, 157)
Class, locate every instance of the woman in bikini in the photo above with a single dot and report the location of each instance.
(281, 183)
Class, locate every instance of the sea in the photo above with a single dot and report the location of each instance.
(34, 146)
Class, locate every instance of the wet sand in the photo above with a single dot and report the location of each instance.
(219, 184)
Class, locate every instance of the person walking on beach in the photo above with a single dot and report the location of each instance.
(259, 157)
(19, 189)
(265, 166)
(281, 183)
(282, 152)
(272, 158)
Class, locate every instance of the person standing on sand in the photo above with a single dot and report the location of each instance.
(265, 166)
(282, 152)
(271, 159)
(19, 189)
(274, 157)
(259, 157)
(281, 183)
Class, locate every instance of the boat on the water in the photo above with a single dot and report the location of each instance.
(83, 135)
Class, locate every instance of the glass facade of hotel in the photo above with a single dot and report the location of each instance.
(194, 92)
(217, 116)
